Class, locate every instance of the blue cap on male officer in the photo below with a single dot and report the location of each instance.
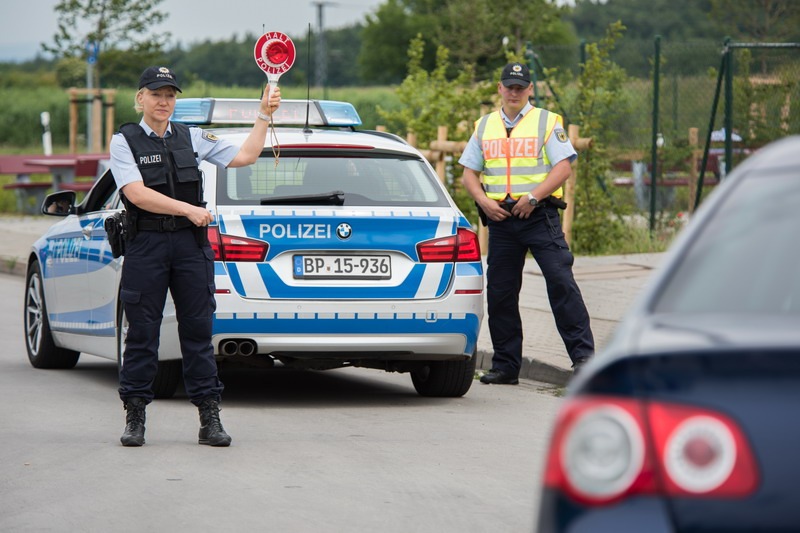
(515, 74)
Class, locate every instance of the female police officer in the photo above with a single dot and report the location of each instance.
(155, 166)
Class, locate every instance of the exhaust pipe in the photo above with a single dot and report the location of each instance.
(243, 347)
(247, 348)
(229, 347)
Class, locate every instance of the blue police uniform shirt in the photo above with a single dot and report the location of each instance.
(472, 157)
(123, 165)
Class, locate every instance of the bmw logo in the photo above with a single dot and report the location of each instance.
(343, 231)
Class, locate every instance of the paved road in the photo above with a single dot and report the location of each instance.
(351, 450)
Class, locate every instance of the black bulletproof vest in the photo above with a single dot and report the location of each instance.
(168, 165)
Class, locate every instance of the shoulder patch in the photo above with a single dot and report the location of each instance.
(210, 137)
(561, 135)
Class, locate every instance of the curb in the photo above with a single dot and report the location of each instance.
(16, 266)
(531, 369)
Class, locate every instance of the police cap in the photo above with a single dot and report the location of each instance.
(157, 77)
(515, 74)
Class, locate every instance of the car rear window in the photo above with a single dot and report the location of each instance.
(365, 181)
(746, 258)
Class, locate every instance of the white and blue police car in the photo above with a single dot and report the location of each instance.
(338, 247)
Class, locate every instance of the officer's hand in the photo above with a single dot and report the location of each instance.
(199, 216)
(271, 101)
(522, 209)
(493, 210)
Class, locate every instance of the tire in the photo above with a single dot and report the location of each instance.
(42, 349)
(168, 376)
(445, 378)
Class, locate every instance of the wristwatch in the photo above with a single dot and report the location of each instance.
(532, 200)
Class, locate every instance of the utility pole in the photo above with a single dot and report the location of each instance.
(322, 50)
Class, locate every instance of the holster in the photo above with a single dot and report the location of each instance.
(558, 202)
(116, 227)
(201, 232)
(481, 214)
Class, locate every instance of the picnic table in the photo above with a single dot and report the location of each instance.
(63, 168)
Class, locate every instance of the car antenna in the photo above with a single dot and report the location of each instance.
(306, 129)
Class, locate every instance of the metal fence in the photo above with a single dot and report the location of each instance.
(698, 89)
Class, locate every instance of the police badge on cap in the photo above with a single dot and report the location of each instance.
(156, 77)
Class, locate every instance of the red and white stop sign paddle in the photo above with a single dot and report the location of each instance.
(274, 53)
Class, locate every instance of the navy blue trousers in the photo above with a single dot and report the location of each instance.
(509, 242)
(155, 263)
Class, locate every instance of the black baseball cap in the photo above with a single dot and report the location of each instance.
(156, 77)
(515, 74)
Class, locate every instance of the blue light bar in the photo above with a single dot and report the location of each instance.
(206, 111)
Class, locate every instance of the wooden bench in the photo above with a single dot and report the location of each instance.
(24, 188)
(64, 169)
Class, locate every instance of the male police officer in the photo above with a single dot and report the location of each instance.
(524, 155)
(155, 165)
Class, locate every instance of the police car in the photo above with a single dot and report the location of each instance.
(338, 247)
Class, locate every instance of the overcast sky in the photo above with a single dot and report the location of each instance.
(24, 25)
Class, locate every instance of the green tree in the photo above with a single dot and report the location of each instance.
(678, 20)
(484, 31)
(391, 28)
(598, 225)
(114, 25)
(432, 99)
(758, 20)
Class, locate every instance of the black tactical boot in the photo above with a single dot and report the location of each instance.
(211, 430)
(134, 430)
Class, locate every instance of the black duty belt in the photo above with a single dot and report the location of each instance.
(558, 202)
(163, 224)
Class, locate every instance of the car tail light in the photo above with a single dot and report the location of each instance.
(461, 247)
(702, 452)
(234, 248)
(606, 449)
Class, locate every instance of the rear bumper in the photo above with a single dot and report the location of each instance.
(559, 513)
(348, 347)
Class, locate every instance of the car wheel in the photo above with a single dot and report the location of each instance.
(445, 378)
(42, 349)
(169, 372)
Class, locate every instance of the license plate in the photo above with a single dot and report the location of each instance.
(343, 266)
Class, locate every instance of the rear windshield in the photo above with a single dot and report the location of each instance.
(746, 259)
(363, 181)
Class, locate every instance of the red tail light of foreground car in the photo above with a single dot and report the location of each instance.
(606, 449)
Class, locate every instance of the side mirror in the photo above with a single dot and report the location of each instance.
(59, 204)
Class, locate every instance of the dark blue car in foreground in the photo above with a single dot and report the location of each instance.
(688, 419)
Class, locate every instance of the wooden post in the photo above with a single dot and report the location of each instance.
(441, 164)
(73, 121)
(97, 122)
(411, 138)
(693, 174)
(98, 96)
(380, 128)
(109, 104)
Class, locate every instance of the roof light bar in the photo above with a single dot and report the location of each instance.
(205, 111)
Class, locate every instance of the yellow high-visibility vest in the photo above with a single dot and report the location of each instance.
(514, 163)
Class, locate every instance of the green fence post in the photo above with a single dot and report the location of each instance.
(529, 55)
(653, 147)
(722, 70)
(728, 111)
